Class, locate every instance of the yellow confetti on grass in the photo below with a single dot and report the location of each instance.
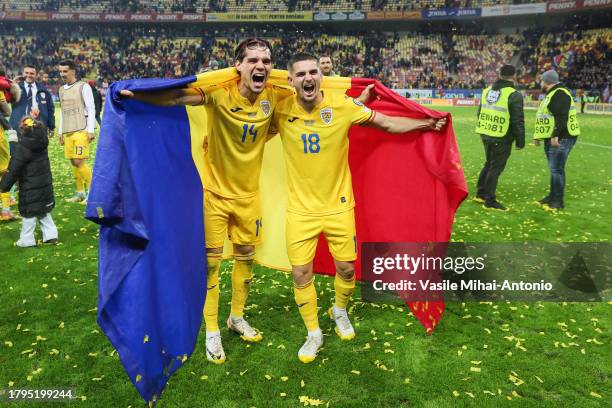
(475, 369)
(11, 383)
(302, 383)
(307, 401)
(282, 394)
(204, 378)
(594, 394)
(40, 338)
(539, 379)
(456, 393)
(406, 380)
(37, 371)
(8, 343)
(268, 377)
(284, 379)
(356, 372)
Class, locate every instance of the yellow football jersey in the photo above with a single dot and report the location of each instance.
(238, 132)
(316, 152)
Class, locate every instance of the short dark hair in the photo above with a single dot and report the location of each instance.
(507, 71)
(299, 57)
(250, 43)
(326, 56)
(30, 66)
(68, 63)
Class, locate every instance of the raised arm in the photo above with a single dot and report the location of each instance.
(400, 124)
(171, 97)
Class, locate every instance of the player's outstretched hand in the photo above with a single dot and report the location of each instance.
(439, 124)
(367, 94)
(126, 94)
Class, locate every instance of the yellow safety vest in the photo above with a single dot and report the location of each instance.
(545, 121)
(494, 118)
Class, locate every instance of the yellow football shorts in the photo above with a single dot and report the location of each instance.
(238, 218)
(76, 145)
(4, 153)
(302, 233)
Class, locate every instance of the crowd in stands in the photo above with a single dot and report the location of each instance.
(206, 6)
(425, 59)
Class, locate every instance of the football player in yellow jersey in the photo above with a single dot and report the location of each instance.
(5, 112)
(234, 152)
(314, 128)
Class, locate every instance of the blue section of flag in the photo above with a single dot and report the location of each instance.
(146, 195)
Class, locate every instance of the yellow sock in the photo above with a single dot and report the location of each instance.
(344, 290)
(211, 306)
(78, 178)
(85, 172)
(6, 200)
(306, 299)
(242, 276)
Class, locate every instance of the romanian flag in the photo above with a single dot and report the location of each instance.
(146, 196)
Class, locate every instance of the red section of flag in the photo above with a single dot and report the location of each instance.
(407, 187)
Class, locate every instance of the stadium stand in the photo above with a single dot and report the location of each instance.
(448, 55)
(199, 6)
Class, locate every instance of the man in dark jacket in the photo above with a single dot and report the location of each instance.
(35, 96)
(556, 124)
(501, 122)
(30, 166)
(97, 99)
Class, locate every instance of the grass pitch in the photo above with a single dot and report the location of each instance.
(484, 354)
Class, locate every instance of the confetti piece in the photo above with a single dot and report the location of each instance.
(539, 379)
(138, 377)
(268, 376)
(244, 372)
(406, 380)
(284, 379)
(11, 383)
(356, 372)
(594, 394)
(475, 369)
(8, 343)
(456, 393)
(204, 378)
(282, 394)
(302, 383)
(37, 371)
(469, 394)
(146, 339)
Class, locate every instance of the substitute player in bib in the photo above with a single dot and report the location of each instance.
(77, 123)
(234, 152)
(314, 130)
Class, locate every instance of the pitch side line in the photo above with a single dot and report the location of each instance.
(595, 145)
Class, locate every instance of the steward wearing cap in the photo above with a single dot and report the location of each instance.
(501, 122)
(557, 125)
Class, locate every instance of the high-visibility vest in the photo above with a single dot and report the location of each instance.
(545, 121)
(494, 118)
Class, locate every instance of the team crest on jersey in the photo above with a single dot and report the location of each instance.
(326, 115)
(265, 107)
(493, 96)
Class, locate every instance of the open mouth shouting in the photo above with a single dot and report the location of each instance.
(258, 79)
(309, 89)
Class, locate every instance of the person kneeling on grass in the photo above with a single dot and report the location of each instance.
(31, 168)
